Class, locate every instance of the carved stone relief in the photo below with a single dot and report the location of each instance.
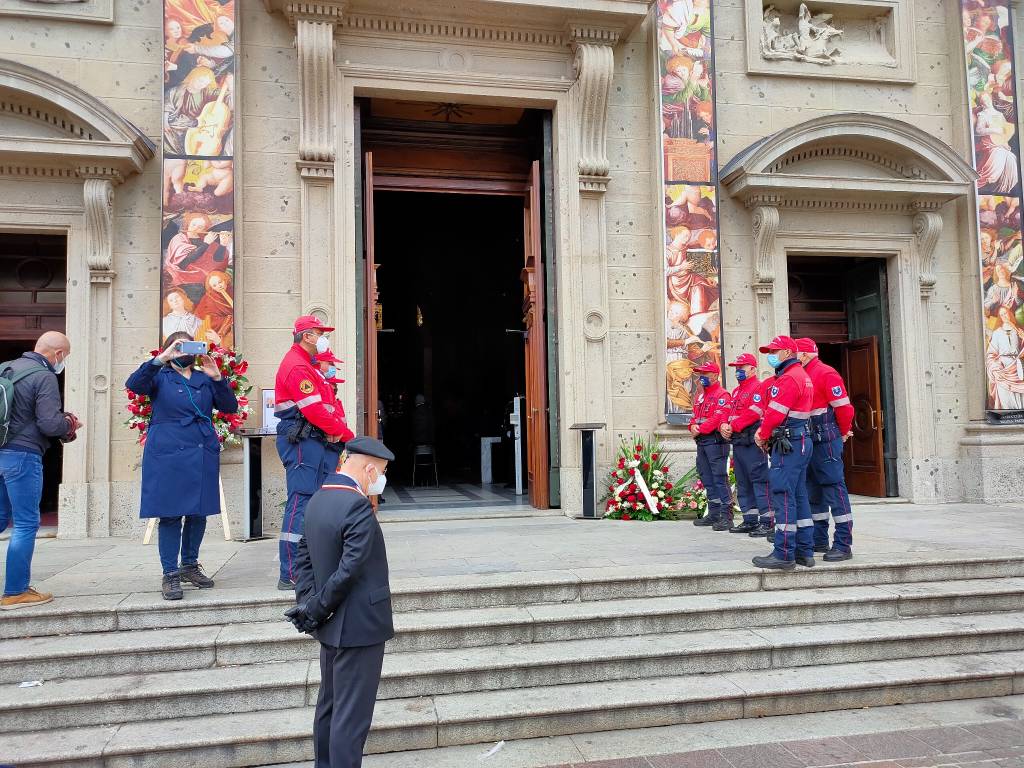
(814, 38)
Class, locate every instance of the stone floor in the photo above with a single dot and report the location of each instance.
(457, 547)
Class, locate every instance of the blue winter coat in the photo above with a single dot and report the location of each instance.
(181, 460)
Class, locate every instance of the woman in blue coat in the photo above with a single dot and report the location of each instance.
(181, 460)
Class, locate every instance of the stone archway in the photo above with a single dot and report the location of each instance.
(859, 185)
(52, 132)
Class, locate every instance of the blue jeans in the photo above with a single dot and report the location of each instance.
(173, 537)
(21, 488)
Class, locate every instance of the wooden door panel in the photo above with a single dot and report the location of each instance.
(536, 348)
(369, 320)
(863, 454)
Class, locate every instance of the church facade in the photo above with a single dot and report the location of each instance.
(704, 175)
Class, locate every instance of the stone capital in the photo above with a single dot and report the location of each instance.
(927, 230)
(765, 225)
(98, 197)
(594, 64)
(314, 39)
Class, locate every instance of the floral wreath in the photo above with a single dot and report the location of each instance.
(226, 425)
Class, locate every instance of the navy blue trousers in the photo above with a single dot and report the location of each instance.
(751, 466)
(826, 490)
(787, 480)
(344, 707)
(713, 469)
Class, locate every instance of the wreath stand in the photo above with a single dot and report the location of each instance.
(151, 526)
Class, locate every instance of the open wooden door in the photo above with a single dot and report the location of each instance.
(536, 348)
(370, 319)
(864, 455)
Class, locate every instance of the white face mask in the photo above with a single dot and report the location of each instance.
(376, 488)
(58, 368)
(322, 344)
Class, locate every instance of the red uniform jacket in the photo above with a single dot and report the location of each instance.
(747, 404)
(711, 408)
(299, 384)
(830, 392)
(789, 396)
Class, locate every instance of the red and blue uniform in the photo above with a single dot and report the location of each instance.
(831, 418)
(300, 388)
(790, 396)
(749, 460)
(710, 410)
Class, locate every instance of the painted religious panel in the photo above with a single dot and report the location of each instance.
(988, 45)
(197, 227)
(690, 177)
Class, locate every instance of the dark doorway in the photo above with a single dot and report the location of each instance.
(451, 296)
(33, 279)
(842, 303)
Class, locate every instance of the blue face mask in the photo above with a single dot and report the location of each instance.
(331, 372)
(773, 360)
(741, 375)
(705, 381)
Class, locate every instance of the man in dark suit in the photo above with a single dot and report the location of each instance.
(343, 599)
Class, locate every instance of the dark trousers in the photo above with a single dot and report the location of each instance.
(787, 480)
(713, 470)
(826, 491)
(344, 709)
(174, 537)
(751, 465)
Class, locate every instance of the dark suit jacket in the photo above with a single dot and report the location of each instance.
(342, 560)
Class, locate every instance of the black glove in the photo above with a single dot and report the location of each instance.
(306, 617)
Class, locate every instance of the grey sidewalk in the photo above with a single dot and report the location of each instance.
(457, 547)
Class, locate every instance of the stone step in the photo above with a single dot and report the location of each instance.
(283, 685)
(140, 651)
(284, 736)
(146, 610)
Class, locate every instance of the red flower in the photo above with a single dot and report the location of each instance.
(631, 498)
(632, 487)
(632, 471)
(639, 446)
(668, 486)
(611, 488)
(234, 385)
(625, 516)
(154, 352)
(654, 457)
(622, 463)
(646, 467)
(636, 456)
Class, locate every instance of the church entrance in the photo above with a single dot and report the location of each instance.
(33, 278)
(456, 351)
(842, 303)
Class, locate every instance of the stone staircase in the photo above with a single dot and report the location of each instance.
(220, 680)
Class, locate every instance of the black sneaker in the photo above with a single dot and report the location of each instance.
(744, 528)
(837, 555)
(171, 587)
(285, 585)
(806, 562)
(773, 563)
(700, 522)
(193, 574)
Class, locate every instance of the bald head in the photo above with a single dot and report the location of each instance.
(55, 347)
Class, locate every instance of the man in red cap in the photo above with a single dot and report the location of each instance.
(831, 426)
(783, 433)
(310, 433)
(749, 460)
(710, 410)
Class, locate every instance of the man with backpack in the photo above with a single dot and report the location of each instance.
(31, 418)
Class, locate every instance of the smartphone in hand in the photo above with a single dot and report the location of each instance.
(193, 347)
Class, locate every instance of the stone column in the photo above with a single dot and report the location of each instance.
(765, 222)
(594, 64)
(98, 197)
(314, 38)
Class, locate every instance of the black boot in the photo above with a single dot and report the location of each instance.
(761, 531)
(822, 548)
(773, 563)
(171, 587)
(837, 555)
(722, 523)
(806, 561)
(744, 527)
(703, 521)
(285, 585)
(193, 574)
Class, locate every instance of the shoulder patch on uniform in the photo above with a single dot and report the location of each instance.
(773, 391)
(306, 387)
(757, 398)
(837, 391)
(721, 401)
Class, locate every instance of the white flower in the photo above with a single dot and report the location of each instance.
(661, 494)
(633, 464)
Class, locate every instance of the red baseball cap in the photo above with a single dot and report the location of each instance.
(708, 368)
(779, 342)
(327, 357)
(806, 345)
(311, 323)
(745, 359)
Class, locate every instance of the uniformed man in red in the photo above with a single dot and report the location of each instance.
(749, 460)
(710, 410)
(310, 433)
(784, 434)
(831, 426)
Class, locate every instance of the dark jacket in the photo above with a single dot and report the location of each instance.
(181, 460)
(36, 418)
(342, 560)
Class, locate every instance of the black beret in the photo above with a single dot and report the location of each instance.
(368, 446)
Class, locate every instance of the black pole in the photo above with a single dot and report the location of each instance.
(588, 466)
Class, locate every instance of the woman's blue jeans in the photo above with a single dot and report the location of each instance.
(21, 488)
(174, 538)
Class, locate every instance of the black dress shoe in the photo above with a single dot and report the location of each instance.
(837, 556)
(821, 548)
(703, 521)
(744, 528)
(774, 563)
(806, 562)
